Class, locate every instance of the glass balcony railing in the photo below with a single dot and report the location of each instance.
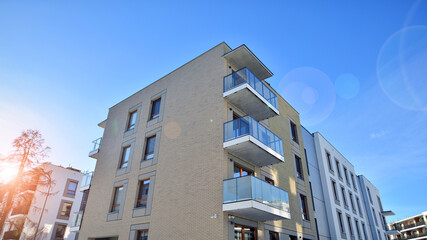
(76, 219)
(252, 188)
(96, 144)
(87, 179)
(244, 75)
(248, 126)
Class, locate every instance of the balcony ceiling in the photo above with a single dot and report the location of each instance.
(243, 57)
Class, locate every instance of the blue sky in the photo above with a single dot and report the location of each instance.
(354, 70)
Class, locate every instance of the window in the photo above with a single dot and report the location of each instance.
(66, 209)
(60, 231)
(132, 121)
(72, 186)
(379, 234)
(240, 171)
(312, 199)
(125, 157)
(341, 222)
(352, 180)
(269, 180)
(328, 156)
(369, 194)
(364, 231)
(373, 215)
(306, 161)
(142, 234)
(349, 225)
(304, 207)
(381, 220)
(338, 168)
(294, 132)
(358, 206)
(357, 228)
(149, 147)
(298, 166)
(343, 196)
(379, 203)
(143, 193)
(346, 176)
(334, 186)
(274, 235)
(351, 201)
(118, 191)
(155, 108)
(244, 232)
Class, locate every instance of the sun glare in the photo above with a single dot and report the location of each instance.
(8, 172)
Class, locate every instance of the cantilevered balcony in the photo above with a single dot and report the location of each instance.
(87, 179)
(252, 141)
(244, 90)
(254, 198)
(76, 221)
(95, 150)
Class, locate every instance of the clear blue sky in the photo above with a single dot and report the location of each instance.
(356, 72)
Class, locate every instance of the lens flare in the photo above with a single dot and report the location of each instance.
(8, 172)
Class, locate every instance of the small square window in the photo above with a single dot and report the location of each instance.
(132, 120)
(149, 147)
(118, 192)
(269, 180)
(155, 108)
(72, 187)
(125, 157)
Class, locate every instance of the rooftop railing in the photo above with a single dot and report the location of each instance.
(253, 188)
(248, 126)
(243, 76)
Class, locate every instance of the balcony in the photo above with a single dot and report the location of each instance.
(87, 179)
(252, 141)
(76, 221)
(244, 90)
(95, 150)
(254, 198)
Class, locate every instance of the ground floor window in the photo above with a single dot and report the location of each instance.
(274, 235)
(244, 232)
(142, 234)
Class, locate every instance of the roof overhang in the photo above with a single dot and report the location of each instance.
(387, 213)
(102, 124)
(243, 57)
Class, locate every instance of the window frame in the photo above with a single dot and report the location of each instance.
(58, 225)
(335, 191)
(294, 132)
(250, 172)
(298, 167)
(140, 231)
(275, 235)
(115, 196)
(147, 141)
(140, 188)
(337, 164)
(155, 115)
(132, 116)
(304, 208)
(328, 158)
(340, 222)
(124, 164)
(350, 227)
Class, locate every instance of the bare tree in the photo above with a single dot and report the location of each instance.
(28, 150)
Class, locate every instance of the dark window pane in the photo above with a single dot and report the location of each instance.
(143, 194)
(72, 186)
(149, 148)
(142, 235)
(132, 120)
(125, 157)
(155, 108)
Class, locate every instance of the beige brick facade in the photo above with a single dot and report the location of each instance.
(190, 163)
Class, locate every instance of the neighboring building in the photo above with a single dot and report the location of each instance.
(338, 196)
(58, 200)
(411, 228)
(210, 151)
(77, 217)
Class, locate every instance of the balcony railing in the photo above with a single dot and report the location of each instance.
(87, 179)
(243, 76)
(96, 144)
(248, 126)
(250, 188)
(76, 221)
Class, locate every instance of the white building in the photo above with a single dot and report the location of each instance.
(338, 197)
(48, 207)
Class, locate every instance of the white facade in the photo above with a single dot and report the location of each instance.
(374, 209)
(55, 211)
(339, 203)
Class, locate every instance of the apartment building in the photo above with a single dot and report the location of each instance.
(414, 227)
(77, 217)
(209, 151)
(43, 210)
(339, 195)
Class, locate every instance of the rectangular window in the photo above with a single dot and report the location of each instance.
(382, 220)
(294, 132)
(144, 186)
(334, 187)
(60, 231)
(312, 199)
(306, 161)
(364, 231)
(349, 225)
(132, 120)
(155, 108)
(149, 147)
(375, 218)
(269, 180)
(358, 206)
(357, 228)
(274, 235)
(340, 220)
(304, 207)
(298, 167)
(142, 234)
(328, 156)
(351, 201)
(352, 180)
(125, 157)
(346, 176)
(66, 209)
(369, 195)
(343, 196)
(240, 171)
(338, 168)
(72, 187)
(244, 232)
(118, 191)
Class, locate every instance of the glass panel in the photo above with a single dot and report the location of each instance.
(142, 235)
(149, 148)
(244, 188)
(245, 76)
(238, 233)
(72, 186)
(125, 157)
(155, 108)
(249, 233)
(132, 120)
(230, 191)
(143, 194)
(66, 209)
